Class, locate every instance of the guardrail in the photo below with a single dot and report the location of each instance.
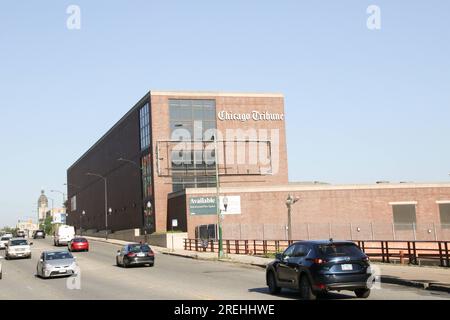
(388, 251)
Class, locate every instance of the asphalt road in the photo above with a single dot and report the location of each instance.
(172, 278)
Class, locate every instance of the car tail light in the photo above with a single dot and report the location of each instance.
(131, 254)
(151, 253)
(319, 261)
(366, 258)
(321, 286)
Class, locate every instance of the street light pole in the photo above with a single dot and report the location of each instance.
(81, 222)
(106, 199)
(52, 200)
(219, 211)
(63, 194)
(147, 213)
(289, 202)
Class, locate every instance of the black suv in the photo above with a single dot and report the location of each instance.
(39, 234)
(314, 267)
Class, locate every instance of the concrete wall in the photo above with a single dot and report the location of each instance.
(164, 240)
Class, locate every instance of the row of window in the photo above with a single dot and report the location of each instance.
(405, 215)
(144, 120)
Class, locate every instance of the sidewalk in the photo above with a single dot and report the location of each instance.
(428, 278)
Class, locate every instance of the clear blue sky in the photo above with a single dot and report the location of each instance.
(361, 105)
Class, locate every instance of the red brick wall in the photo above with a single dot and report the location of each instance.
(241, 104)
(338, 207)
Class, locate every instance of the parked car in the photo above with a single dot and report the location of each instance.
(1, 270)
(135, 254)
(4, 241)
(314, 267)
(78, 244)
(56, 264)
(39, 234)
(18, 248)
(63, 235)
(21, 234)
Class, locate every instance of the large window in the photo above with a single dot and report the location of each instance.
(192, 120)
(404, 216)
(444, 211)
(144, 119)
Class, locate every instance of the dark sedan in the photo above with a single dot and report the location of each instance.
(135, 254)
(314, 267)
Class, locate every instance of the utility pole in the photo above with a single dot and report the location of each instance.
(289, 202)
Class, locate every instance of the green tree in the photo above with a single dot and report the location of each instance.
(47, 226)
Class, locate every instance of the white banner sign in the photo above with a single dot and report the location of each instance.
(230, 204)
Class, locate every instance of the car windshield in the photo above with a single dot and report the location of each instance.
(79, 240)
(5, 238)
(138, 248)
(58, 255)
(19, 243)
(339, 249)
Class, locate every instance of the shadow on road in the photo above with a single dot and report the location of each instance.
(291, 294)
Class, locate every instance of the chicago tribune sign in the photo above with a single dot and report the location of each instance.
(254, 115)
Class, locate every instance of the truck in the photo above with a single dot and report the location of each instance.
(63, 235)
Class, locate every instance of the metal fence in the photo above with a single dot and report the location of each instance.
(348, 231)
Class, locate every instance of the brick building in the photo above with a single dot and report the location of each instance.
(158, 164)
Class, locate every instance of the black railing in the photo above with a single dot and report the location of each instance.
(388, 251)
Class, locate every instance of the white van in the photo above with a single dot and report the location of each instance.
(63, 235)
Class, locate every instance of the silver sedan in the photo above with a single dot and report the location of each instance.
(56, 264)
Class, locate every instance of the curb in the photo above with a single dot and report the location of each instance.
(196, 257)
(402, 282)
(416, 284)
(439, 287)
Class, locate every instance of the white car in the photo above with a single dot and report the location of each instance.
(4, 241)
(56, 264)
(18, 248)
(63, 235)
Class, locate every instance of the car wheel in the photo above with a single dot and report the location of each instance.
(272, 283)
(124, 263)
(1, 275)
(362, 293)
(305, 288)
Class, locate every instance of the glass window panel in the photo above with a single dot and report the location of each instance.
(184, 114)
